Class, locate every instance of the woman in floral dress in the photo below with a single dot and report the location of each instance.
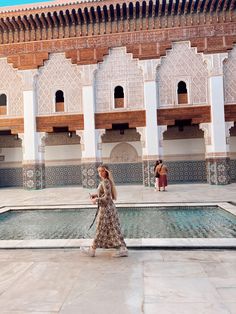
(108, 231)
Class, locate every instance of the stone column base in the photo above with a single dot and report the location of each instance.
(90, 178)
(148, 173)
(218, 171)
(34, 176)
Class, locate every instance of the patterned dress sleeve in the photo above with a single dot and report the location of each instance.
(105, 198)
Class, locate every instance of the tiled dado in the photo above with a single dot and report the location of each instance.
(11, 177)
(218, 170)
(127, 173)
(63, 175)
(233, 170)
(187, 171)
(148, 172)
(90, 177)
(178, 171)
(34, 176)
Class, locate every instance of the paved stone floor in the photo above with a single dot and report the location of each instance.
(64, 281)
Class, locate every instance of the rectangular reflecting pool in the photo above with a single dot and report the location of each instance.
(136, 222)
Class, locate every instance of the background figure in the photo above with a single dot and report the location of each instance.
(156, 174)
(108, 230)
(162, 181)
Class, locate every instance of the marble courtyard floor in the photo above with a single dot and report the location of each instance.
(163, 281)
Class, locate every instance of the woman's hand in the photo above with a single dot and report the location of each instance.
(94, 200)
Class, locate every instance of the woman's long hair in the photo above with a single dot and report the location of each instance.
(110, 178)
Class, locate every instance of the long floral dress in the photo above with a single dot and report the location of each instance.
(108, 232)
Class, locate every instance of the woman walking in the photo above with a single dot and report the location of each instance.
(108, 231)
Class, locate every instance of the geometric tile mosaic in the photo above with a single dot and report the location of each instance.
(63, 175)
(218, 170)
(233, 170)
(90, 178)
(127, 173)
(123, 173)
(187, 171)
(34, 176)
(10, 177)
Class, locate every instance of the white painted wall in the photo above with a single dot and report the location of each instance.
(62, 152)
(13, 154)
(184, 147)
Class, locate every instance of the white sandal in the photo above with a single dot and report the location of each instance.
(121, 253)
(88, 251)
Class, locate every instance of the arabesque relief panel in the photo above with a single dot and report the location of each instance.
(11, 85)
(182, 63)
(119, 69)
(59, 74)
(230, 77)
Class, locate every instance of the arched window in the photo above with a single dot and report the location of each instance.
(59, 100)
(3, 104)
(182, 93)
(119, 97)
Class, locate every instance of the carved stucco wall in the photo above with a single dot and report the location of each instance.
(119, 68)
(229, 71)
(124, 152)
(182, 63)
(11, 85)
(59, 73)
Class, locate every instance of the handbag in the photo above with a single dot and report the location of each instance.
(157, 174)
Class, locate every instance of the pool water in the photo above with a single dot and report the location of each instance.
(136, 222)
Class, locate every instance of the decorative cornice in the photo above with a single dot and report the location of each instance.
(86, 15)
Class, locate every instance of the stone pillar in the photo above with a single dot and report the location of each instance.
(217, 158)
(149, 134)
(90, 137)
(33, 155)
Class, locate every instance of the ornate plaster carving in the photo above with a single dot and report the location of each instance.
(119, 68)
(149, 68)
(228, 126)
(80, 133)
(11, 85)
(229, 69)
(142, 132)
(161, 129)
(214, 63)
(206, 128)
(182, 61)
(29, 79)
(124, 152)
(59, 74)
(87, 74)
